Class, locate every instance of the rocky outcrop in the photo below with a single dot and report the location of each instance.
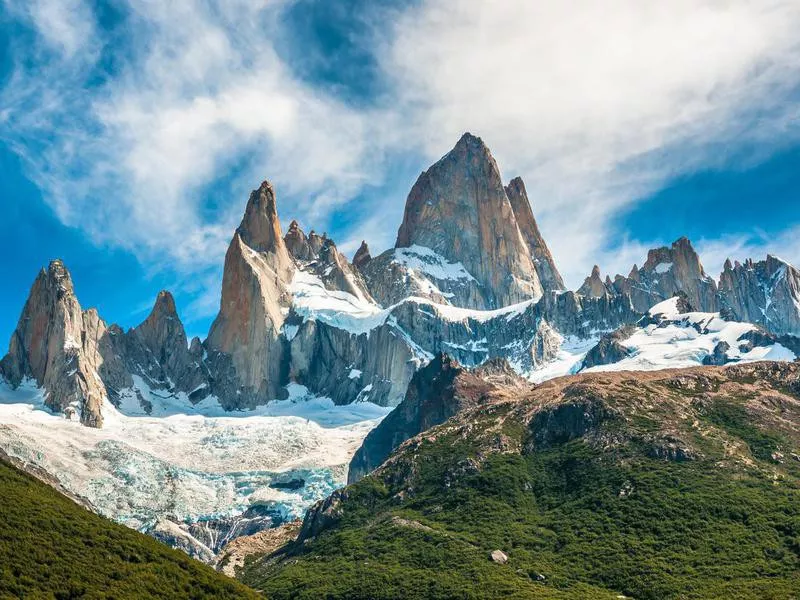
(436, 393)
(50, 346)
(667, 272)
(247, 354)
(594, 286)
(766, 293)
(542, 258)
(362, 256)
(81, 362)
(609, 349)
(459, 209)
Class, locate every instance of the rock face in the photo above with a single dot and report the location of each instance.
(459, 209)
(50, 345)
(609, 350)
(667, 272)
(766, 293)
(362, 256)
(594, 286)
(436, 393)
(244, 344)
(81, 362)
(163, 339)
(542, 258)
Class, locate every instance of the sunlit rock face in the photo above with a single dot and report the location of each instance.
(459, 209)
(244, 345)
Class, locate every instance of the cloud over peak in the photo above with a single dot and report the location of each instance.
(147, 130)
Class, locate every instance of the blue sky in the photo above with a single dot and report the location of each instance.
(131, 131)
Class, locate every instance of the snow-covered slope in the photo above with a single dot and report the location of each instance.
(668, 338)
(191, 469)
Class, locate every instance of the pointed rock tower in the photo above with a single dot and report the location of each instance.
(459, 209)
(594, 286)
(362, 256)
(55, 347)
(542, 258)
(251, 359)
(168, 356)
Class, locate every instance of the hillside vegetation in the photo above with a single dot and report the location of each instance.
(52, 548)
(673, 484)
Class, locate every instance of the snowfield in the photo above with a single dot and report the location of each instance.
(190, 467)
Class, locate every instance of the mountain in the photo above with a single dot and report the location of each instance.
(52, 548)
(765, 292)
(543, 261)
(459, 211)
(660, 485)
(81, 362)
(668, 270)
(245, 348)
(470, 275)
(672, 335)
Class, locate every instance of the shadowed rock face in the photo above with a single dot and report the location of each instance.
(766, 293)
(436, 393)
(362, 256)
(250, 355)
(459, 209)
(542, 259)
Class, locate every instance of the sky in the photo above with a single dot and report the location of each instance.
(131, 131)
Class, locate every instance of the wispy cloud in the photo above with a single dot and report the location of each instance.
(197, 89)
(130, 131)
(596, 104)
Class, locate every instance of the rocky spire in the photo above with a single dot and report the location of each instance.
(255, 299)
(593, 286)
(459, 209)
(542, 259)
(362, 256)
(51, 346)
(260, 228)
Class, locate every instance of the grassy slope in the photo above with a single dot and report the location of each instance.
(52, 548)
(597, 520)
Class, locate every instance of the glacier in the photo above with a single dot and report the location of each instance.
(191, 469)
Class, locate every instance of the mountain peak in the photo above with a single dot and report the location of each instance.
(59, 275)
(260, 228)
(459, 209)
(471, 142)
(540, 254)
(165, 304)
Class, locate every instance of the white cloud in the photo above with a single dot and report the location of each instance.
(199, 89)
(594, 104)
(597, 103)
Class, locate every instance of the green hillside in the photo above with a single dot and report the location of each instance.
(674, 485)
(52, 548)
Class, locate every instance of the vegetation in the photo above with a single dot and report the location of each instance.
(597, 516)
(52, 548)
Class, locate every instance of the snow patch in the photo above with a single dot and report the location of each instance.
(432, 264)
(662, 268)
